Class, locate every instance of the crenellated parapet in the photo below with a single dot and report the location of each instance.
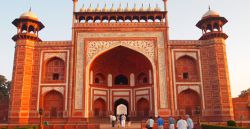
(106, 15)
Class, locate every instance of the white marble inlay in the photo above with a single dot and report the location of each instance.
(183, 88)
(141, 92)
(181, 54)
(51, 55)
(48, 89)
(100, 92)
(117, 93)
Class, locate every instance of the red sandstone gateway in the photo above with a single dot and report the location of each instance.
(119, 58)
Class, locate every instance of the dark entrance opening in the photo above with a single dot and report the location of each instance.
(121, 101)
(121, 80)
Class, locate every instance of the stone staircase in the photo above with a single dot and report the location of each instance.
(109, 126)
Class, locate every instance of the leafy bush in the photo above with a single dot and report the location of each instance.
(218, 127)
(231, 123)
(26, 127)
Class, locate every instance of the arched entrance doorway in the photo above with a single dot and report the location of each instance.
(53, 104)
(122, 69)
(100, 108)
(121, 106)
(142, 108)
(188, 101)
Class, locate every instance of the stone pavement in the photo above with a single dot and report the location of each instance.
(108, 126)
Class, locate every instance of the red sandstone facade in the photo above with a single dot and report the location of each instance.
(119, 58)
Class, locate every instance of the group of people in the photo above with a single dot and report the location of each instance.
(120, 120)
(181, 123)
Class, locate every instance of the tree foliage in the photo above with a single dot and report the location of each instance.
(5, 86)
(244, 92)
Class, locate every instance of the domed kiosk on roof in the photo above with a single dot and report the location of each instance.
(211, 25)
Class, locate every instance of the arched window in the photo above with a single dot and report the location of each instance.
(186, 69)
(31, 29)
(142, 78)
(121, 80)
(209, 28)
(99, 78)
(24, 28)
(55, 70)
(216, 27)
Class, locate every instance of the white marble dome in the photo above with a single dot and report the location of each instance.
(30, 15)
(211, 13)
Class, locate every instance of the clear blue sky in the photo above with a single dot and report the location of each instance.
(183, 15)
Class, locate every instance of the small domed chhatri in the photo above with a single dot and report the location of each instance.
(150, 8)
(105, 8)
(120, 9)
(83, 9)
(127, 9)
(157, 8)
(29, 15)
(142, 8)
(112, 9)
(90, 9)
(98, 9)
(135, 9)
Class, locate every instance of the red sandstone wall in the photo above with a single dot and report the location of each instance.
(4, 106)
(242, 108)
(217, 91)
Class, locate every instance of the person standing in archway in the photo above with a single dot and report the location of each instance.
(123, 120)
(181, 123)
(190, 122)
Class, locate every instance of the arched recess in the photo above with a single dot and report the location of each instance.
(142, 108)
(97, 54)
(100, 108)
(54, 70)
(119, 102)
(188, 101)
(186, 69)
(142, 78)
(53, 104)
(99, 78)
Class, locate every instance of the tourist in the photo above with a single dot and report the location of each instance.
(113, 120)
(123, 120)
(160, 123)
(181, 124)
(150, 123)
(190, 122)
(118, 122)
(171, 122)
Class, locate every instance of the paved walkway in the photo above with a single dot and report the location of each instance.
(108, 126)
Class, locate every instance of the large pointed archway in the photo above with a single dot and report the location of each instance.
(122, 70)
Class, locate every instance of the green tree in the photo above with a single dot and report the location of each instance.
(244, 92)
(5, 86)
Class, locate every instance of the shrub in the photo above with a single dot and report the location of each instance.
(26, 127)
(219, 127)
(231, 123)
